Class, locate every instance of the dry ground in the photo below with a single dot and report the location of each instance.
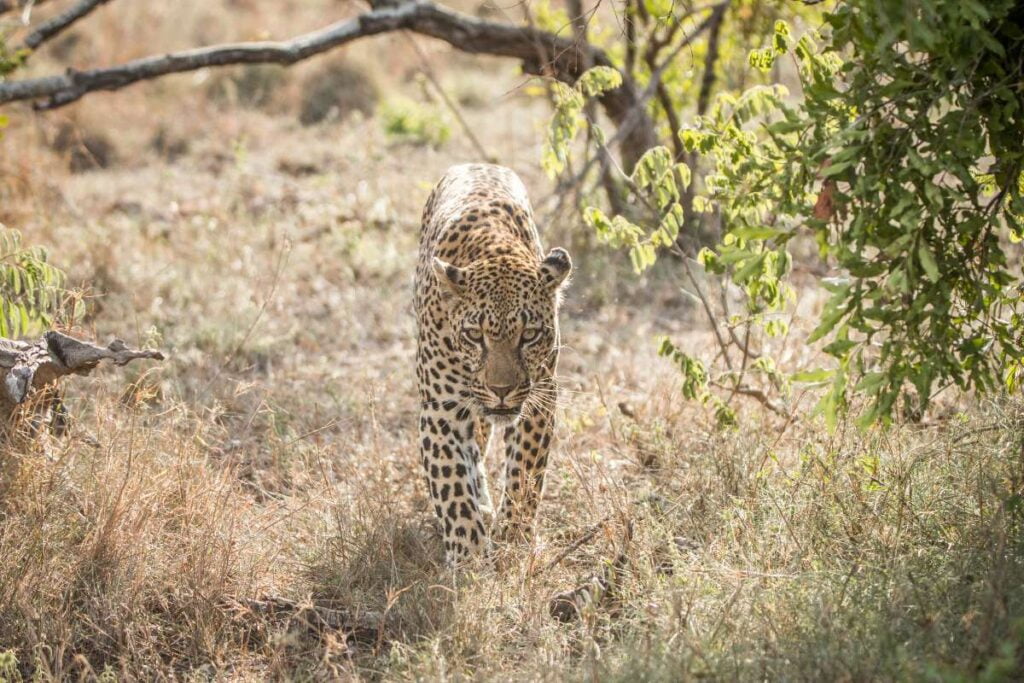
(273, 453)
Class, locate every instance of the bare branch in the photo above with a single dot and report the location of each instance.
(712, 319)
(9, 5)
(52, 27)
(428, 70)
(541, 52)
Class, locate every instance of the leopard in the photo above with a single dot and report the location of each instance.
(486, 300)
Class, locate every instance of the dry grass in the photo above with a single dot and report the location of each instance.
(273, 454)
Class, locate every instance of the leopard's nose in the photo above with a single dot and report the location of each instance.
(501, 390)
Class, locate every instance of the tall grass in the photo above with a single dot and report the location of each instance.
(754, 556)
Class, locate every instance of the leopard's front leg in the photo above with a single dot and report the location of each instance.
(526, 456)
(451, 458)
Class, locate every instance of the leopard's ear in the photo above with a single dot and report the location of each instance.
(555, 268)
(451, 278)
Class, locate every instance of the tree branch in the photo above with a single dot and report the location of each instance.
(710, 59)
(541, 52)
(52, 27)
(756, 394)
(636, 116)
(9, 5)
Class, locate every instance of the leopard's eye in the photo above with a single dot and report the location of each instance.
(473, 334)
(530, 334)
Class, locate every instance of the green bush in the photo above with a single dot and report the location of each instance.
(902, 157)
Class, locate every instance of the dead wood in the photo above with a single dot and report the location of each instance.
(595, 591)
(28, 368)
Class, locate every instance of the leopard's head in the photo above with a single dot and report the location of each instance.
(503, 313)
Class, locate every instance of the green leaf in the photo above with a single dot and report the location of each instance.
(819, 375)
(836, 168)
(757, 232)
(931, 268)
(871, 383)
(828, 321)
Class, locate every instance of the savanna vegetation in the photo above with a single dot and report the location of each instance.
(790, 441)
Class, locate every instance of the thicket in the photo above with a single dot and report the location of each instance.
(899, 152)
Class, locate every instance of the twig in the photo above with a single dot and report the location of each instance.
(52, 27)
(707, 310)
(576, 545)
(282, 261)
(651, 55)
(755, 394)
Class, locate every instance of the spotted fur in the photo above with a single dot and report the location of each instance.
(487, 301)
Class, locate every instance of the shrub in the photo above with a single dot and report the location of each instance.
(30, 287)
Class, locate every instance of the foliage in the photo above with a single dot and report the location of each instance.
(901, 161)
(657, 173)
(662, 187)
(696, 384)
(407, 121)
(901, 155)
(568, 115)
(30, 286)
(10, 58)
